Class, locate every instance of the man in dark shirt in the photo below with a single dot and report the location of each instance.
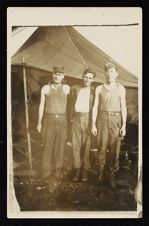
(82, 97)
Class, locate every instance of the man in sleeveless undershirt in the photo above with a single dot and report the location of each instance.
(52, 123)
(109, 122)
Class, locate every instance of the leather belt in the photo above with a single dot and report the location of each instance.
(115, 113)
(81, 113)
(58, 115)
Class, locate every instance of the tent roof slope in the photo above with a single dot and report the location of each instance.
(63, 45)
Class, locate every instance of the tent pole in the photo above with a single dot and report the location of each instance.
(27, 117)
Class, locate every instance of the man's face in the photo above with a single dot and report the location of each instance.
(111, 74)
(57, 77)
(88, 78)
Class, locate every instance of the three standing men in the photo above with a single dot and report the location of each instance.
(109, 121)
(105, 116)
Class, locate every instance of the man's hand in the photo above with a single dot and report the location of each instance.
(94, 130)
(123, 130)
(39, 127)
(69, 143)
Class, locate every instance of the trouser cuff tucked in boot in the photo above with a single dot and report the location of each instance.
(112, 178)
(84, 175)
(76, 174)
(100, 175)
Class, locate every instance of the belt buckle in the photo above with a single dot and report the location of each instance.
(111, 113)
(56, 116)
(115, 113)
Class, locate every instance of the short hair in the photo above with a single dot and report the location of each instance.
(110, 65)
(88, 70)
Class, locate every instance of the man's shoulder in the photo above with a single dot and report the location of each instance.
(92, 88)
(65, 86)
(120, 87)
(119, 84)
(45, 88)
(75, 87)
(99, 88)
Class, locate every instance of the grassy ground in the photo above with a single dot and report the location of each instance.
(35, 194)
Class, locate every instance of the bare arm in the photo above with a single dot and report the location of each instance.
(95, 107)
(95, 110)
(41, 108)
(66, 89)
(123, 110)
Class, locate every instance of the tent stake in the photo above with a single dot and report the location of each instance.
(27, 117)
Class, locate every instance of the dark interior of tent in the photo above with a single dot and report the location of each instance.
(36, 78)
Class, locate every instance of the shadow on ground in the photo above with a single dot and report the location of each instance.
(35, 194)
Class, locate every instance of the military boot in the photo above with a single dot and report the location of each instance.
(100, 175)
(112, 178)
(59, 174)
(76, 175)
(84, 175)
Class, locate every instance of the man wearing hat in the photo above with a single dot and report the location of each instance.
(109, 121)
(52, 123)
(82, 97)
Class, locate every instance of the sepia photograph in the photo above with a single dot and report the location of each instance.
(74, 112)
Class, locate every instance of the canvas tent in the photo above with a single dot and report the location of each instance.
(48, 46)
(61, 45)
